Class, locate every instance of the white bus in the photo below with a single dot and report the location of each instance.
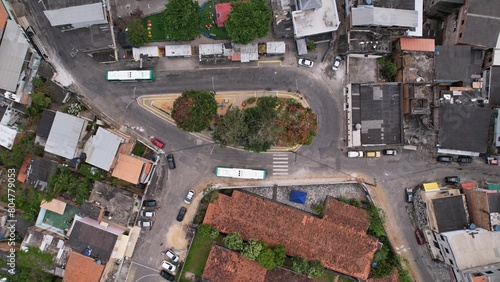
(130, 75)
(240, 173)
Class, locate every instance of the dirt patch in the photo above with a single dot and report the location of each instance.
(176, 237)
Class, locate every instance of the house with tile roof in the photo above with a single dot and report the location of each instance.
(82, 269)
(338, 240)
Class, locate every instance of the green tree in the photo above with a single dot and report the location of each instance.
(299, 264)
(248, 20)
(31, 265)
(279, 255)
(194, 110)
(315, 269)
(251, 250)
(232, 129)
(262, 125)
(137, 32)
(377, 221)
(233, 241)
(267, 258)
(389, 70)
(204, 230)
(181, 20)
(39, 101)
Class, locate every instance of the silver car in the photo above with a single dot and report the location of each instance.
(336, 63)
(306, 63)
(189, 197)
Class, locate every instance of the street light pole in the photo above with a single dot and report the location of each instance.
(213, 85)
(133, 98)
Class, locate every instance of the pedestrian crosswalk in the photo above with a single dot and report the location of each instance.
(280, 163)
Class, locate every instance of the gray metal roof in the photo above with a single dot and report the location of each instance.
(59, 4)
(450, 213)
(45, 124)
(374, 16)
(101, 148)
(13, 49)
(64, 135)
(39, 173)
(77, 16)
(456, 63)
(494, 86)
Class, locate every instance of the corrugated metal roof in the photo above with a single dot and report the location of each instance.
(275, 47)
(150, 51)
(417, 44)
(64, 135)
(13, 50)
(101, 148)
(374, 16)
(7, 136)
(177, 50)
(77, 16)
(54, 205)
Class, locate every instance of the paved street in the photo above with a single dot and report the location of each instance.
(196, 158)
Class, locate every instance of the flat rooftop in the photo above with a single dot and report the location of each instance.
(316, 21)
(450, 213)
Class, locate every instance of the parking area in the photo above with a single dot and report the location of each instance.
(362, 69)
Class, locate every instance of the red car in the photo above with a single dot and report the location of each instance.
(420, 237)
(157, 142)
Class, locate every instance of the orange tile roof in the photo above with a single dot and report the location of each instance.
(82, 269)
(339, 240)
(23, 171)
(417, 44)
(128, 168)
(3, 17)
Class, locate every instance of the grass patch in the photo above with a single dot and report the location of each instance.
(197, 258)
(326, 277)
(208, 18)
(139, 149)
(157, 30)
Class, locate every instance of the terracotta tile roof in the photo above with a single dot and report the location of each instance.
(417, 44)
(394, 277)
(225, 265)
(82, 269)
(339, 240)
(23, 171)
(280, 274)
(128, 168)
(3, 17)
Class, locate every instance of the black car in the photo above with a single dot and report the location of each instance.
(464, 160)
(445, 159)
(167, 276)
(409, 195)
(171, 161)
(452, 179)
(149, 203)
(181, 214)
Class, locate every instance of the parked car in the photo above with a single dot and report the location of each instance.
(189, 197)
(336, 63)
(181, 214)
(306, 63)
(167, 276)
(149, 203)
(389, 152)
(144, 223)
(419, 235)
(492, 160)
(409, 195)
(172, 256)
(445, 159)
(168, 266)
(157, 142)
(171, 161)
(355, 154)
(373, 154)
(144, 213)
(452, 179)
(464, 160)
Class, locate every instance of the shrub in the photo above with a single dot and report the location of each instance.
(267, 258)
(315, 269)
(233, 241)
(279, 255)
(299, 264)
(251, 250)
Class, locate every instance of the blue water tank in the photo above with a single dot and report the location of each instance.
(472, 226)
(368, 2)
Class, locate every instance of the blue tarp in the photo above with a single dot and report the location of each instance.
(298, 197)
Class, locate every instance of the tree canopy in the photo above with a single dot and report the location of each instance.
(31, 265)
(194, 110)
(233, 241)
(299, 264)
(137, 32)
(248, 20)
(181, 20)
(251, 250)
(232, 129)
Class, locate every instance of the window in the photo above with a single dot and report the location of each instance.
(451, 262)
(463, 21)
(442, 237)
(488, 272)
(460, 35)
(447, 251)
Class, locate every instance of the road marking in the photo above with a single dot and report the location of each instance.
(280, 169)
(142, 265)
(280, 173)
(280, 163)
(280, 159)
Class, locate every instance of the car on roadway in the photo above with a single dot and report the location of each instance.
(168, 266)
(409, 195)
(452, 180)
(172, 256)
(336, 63)
(145, 213)
(171, 161)
(464, 160)
(149, 203)
(167, 276)
(181, 214)
(306, 63)
(419, 235)
(445, 159)
(373, 154)
(389, 152)
(355, 154)
(189, 197)
(157, 142)
(145, 223)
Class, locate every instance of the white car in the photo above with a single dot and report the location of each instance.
(172, 256)
(147, 213)
(336, 63)
(306, 63)
(168, 266)
(189, 197)
(145, 223)
(355, 154)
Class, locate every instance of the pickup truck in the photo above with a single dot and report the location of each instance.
(373, 154)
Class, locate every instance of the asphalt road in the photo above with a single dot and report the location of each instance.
(196, 158)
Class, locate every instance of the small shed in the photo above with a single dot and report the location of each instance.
(178, 51)
(150, 51)
(301, 46)
(298, 197)
(275, 48)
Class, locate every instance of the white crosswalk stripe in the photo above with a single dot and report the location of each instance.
(280, 164)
